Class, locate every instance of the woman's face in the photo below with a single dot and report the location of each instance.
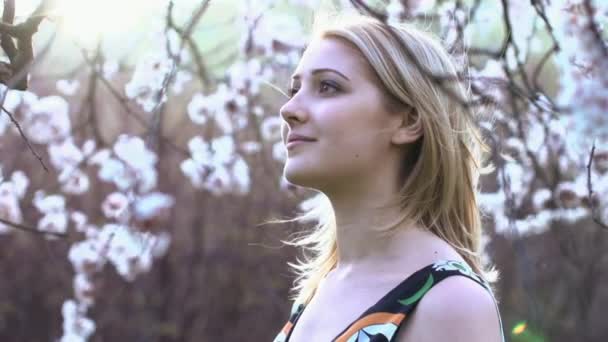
(336, 102)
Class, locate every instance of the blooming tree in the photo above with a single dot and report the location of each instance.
(549, 145)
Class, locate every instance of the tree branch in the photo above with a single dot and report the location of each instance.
(14, 74)
(30, 229)
(592, 202)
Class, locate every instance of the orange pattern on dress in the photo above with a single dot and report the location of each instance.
(371, 319)
(287, 327)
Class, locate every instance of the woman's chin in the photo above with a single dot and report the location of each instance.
(299, 177)
(296, 179)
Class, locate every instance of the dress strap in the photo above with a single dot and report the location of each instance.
(296, 310)
(453, 267)
(385, 318)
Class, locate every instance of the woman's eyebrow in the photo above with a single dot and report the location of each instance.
(320, 70)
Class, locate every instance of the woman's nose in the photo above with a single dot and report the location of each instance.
(292, 111)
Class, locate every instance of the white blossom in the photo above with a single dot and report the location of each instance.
(99, 157)
(86, 256)
(65, 154)
(133, 152)
(148, 80)
(74, 182)
(269, 31)
(135, 165)
(84, 289)
(53, 223)
(279, 152)
(149, 205)
(48, 120)
(160, 244)
(80, 220)
(215, 166)
(68, 87)
(194, 171)
(20, 183)
(110, 68)
(76, 327)
(153, 70)
(540, 198)
(9, 205)
(271, 128)
(49, 204)
(240, 177)
(113, 170)
(181, 78)
(198, 110)
(126, 250)
(116, 206)
(247, 76)
(251, 147)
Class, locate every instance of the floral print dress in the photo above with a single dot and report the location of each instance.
(382, 320)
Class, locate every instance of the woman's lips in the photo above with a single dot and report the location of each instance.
(297, 142)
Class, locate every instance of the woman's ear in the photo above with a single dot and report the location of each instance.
(410, 129)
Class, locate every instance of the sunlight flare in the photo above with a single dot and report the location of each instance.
(89, 20)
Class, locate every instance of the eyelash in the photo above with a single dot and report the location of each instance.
(291, 92)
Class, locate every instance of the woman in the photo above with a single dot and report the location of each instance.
(396, 159)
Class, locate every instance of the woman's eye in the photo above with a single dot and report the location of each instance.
(328, 86)
(324, 87)
(291, 91)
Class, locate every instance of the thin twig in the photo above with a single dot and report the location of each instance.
(30, 229)
(590, 193)
(16, 123)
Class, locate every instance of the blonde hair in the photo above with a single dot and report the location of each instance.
(439, 192)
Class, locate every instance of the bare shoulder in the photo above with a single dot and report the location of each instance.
(457, 309)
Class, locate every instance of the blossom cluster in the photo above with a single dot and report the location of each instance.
(148, 83)
(216, 167)
(11, 192)
(583, 60)
(127, 241)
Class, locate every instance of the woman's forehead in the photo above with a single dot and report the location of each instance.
(332, 53)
